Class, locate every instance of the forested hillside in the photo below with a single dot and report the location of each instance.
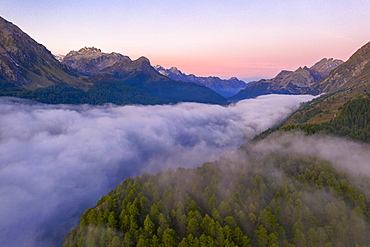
(268, 200)
(353, 121)
(107, 91)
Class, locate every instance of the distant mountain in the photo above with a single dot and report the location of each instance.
(29, 70)
(97, 65)
(91, 61)
(59, 57)
(226, 88)
(26, 64)
(289, 82)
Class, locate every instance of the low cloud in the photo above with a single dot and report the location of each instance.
(58, 160)
(347, 155)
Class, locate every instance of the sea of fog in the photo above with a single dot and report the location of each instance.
(58, 160)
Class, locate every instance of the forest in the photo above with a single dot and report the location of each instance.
(273, 200)
(102, 92)
(118, 92)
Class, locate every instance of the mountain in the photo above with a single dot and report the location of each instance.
(354, 71)
(97, 65)
(92, 62)
(25, 64)
(344, 109)
(29, 70)
(289, 82)
(226, 88)
(348, 81)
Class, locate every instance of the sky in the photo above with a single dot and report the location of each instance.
(243, 38)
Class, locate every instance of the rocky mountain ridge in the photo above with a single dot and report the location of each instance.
(91, 61)
(289, 82)
(226, 88)
(97, 65)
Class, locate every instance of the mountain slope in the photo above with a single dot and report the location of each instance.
(289, 82)
(346, 82)
(354, 71)
(226, 88)
(352, 121)
(26, 64)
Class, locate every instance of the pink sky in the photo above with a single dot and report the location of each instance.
(242, 38)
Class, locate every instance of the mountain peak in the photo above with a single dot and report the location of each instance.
(89, 49)
(86, 51)
(143, 59)
(175, 71)
(91, 61)
(325, 65)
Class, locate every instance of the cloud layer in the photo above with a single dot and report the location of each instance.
(58, 160)
(349, 156)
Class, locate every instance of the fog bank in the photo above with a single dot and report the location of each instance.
(58, 160)
(347, 155)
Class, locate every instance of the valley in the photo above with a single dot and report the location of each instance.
(98, 149)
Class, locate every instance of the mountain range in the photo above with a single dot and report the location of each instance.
(289, 82)
(99, 66)
(226, 88)
(29, 70)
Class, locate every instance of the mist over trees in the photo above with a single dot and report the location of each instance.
(259, 200)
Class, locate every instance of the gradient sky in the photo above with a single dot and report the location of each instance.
(243, 38)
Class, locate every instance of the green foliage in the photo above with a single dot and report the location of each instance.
(352, 122)
(274, 200)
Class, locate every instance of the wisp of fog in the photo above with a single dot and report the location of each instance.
(58, 160)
